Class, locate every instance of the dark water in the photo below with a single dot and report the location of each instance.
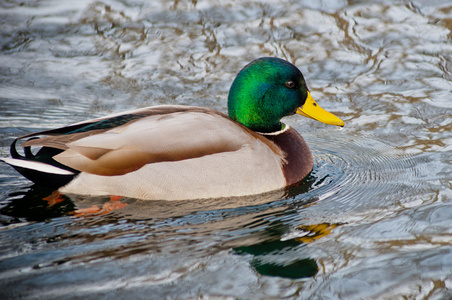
(372, 221)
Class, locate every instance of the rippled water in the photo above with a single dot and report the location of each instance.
(372, 221)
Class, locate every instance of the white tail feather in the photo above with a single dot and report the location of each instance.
(34, 165)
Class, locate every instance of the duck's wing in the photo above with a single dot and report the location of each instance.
(123, 143)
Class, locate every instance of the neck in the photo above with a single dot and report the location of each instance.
(270, 129)
(244, 109)
(255, 123)
(283, 128)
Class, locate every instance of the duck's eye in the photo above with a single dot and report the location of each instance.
(290, 84)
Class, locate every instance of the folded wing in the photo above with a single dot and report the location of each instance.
(124, 143)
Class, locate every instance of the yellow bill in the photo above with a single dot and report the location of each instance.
(312, 110)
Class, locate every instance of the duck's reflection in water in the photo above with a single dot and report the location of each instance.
(253, 227)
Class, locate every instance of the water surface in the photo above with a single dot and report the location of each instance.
(371, 221)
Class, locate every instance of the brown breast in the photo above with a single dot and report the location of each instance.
(298, 158)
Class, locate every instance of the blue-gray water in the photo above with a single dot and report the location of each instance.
(372, 221)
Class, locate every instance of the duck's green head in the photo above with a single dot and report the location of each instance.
(269, 89)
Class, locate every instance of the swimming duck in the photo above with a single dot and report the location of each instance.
(174, 152)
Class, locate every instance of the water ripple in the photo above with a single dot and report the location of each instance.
(361, 175)
(375, 212)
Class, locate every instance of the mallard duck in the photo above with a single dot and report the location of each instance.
(174, 152)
